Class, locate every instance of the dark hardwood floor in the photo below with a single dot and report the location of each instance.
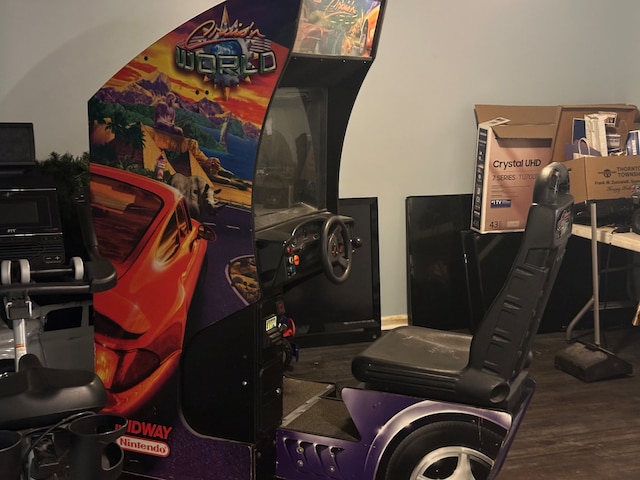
(572, 430)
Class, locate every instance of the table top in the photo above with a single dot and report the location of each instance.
(626, 240)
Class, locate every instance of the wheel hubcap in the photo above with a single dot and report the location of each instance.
(453, 463)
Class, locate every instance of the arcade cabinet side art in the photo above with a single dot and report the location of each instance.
(173, 141)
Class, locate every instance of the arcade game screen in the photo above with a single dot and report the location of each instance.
(291, 164)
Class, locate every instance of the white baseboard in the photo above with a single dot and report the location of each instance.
(393, 321)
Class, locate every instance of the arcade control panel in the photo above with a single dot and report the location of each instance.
(291, 251)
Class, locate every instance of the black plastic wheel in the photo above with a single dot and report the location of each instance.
(454, 450)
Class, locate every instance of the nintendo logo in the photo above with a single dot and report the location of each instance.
(144, 446)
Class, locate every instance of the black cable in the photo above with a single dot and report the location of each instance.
(51, 428)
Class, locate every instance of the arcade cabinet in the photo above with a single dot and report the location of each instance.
(215, 156)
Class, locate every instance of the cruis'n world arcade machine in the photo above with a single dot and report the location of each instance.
(215, 157)
(214, 171)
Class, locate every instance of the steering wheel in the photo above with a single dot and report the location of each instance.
(336, 249)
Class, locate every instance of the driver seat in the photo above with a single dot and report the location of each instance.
(487, 369)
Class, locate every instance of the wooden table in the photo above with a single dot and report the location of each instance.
(626, 240)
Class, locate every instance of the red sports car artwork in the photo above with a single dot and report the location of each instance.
(143, 226)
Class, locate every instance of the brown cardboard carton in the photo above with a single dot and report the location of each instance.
(600, 178)
(513, 144)
(625, 121)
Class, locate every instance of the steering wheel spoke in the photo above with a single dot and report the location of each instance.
(342, 262)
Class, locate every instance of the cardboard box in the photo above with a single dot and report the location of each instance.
(624, 122)
(514, 143)
(600, 178)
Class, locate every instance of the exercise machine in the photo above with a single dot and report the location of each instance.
(49, 425)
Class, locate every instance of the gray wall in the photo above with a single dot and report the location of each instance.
(412, 131)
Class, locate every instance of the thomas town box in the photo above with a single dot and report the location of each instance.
(598, 177)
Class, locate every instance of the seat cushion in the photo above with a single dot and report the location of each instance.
(414, 358)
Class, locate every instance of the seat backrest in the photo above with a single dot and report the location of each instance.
(502, 343)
